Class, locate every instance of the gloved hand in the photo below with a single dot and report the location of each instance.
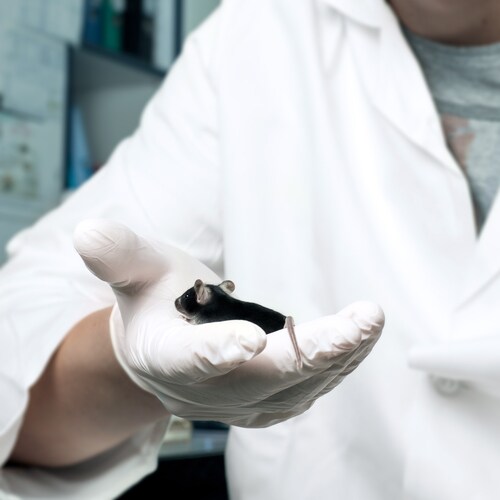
(474, 362)
(227, 371)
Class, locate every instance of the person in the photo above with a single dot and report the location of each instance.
(317, 153)
(93, 363)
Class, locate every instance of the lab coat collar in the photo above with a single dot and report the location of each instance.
(370, 13)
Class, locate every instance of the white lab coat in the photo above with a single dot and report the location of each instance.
(295, 149)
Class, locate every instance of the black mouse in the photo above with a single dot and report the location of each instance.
(206, 303)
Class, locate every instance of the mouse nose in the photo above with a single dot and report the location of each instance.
(177, 304)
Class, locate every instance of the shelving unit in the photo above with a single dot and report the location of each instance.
(122, 58)
(107, 84)
(203, 443)
(111, 91)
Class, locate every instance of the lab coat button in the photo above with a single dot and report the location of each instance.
(445, 386)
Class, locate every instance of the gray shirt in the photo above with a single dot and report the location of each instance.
(465, 84)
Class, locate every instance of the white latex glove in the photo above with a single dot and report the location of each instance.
(475, 362)
(227, 371)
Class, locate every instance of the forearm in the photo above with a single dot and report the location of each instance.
(84, 403)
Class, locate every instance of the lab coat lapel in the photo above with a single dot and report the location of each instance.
(418, 118)
(485, 265)
(424, 128)
(413, 113)
(388, 69)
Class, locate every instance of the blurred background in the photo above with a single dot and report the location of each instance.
(74, 78)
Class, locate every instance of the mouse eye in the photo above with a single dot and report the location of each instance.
(186, 296)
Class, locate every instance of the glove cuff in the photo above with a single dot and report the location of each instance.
(118, 341)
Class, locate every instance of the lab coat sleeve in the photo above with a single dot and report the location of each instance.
(163, 182)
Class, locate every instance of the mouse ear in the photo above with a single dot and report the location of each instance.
(202, 292)
(228, 286)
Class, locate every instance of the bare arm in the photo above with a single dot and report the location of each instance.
(84, 403)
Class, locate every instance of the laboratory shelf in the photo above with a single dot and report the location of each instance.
(195, 467)
(122, 58)
(203, 442)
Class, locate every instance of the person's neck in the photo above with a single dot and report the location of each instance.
(453, 22)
